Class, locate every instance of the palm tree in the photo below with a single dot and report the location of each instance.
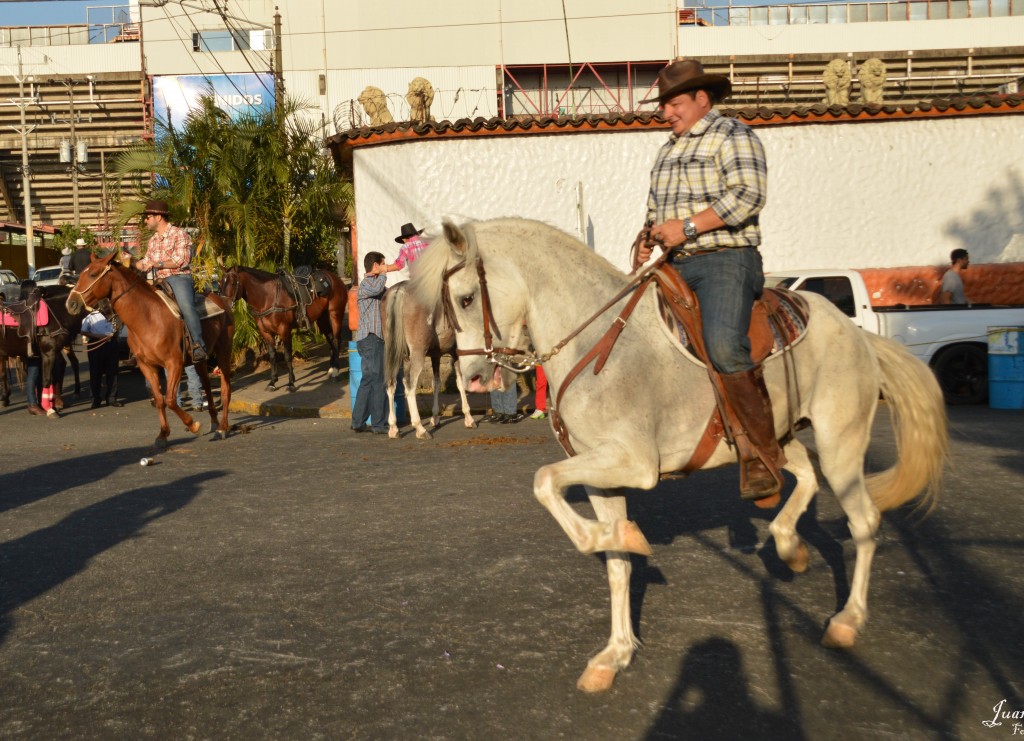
(259, 190)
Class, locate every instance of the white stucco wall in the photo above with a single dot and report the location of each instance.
(878, 194)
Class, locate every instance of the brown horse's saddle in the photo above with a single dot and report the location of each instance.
(778, 320)
(205, 306)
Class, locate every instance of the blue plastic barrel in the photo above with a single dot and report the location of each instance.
(1006, 367)
(355, 375)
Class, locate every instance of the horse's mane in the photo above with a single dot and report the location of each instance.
(429, 268)
(257, 273)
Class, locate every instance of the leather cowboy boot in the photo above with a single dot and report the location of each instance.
(760, 456)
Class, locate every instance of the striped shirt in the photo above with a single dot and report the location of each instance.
(718, 164)
(371, 290)
(410, 251)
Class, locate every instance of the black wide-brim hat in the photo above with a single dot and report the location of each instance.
(686, 75)
(156, 207)
(408, 230)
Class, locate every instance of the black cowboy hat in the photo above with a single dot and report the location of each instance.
(156, 207)
(686, 75)
(408, 230)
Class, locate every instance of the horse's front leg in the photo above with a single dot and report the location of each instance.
(467, 414)
(435, 409)
(334, 343)
(173, 372)
(271, 342)
(288, 360)
(622, 643)
(152, 376)
(611, 465)
(49, 367)
(5, 386)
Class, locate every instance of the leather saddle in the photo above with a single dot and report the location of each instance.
(778, 321)
(205, 306)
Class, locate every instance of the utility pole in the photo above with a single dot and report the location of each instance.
(278, 62)
(26, 189)
(73, 153)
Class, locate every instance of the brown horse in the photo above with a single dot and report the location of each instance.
(274, 310)
(51, 341)
(156, 338)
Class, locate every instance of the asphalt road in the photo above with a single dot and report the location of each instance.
(298, 581)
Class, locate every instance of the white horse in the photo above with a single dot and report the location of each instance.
(644, 413)
(410, 334)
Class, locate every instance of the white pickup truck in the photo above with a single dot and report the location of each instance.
(952, 340)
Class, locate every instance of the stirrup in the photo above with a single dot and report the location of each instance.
(767, 495)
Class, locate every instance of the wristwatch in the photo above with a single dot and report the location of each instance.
(689, 228)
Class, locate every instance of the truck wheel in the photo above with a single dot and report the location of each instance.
(962, 371)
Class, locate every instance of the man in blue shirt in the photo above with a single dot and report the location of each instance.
(371, 397)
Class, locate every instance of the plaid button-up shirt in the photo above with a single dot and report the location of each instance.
(368, 296)
(410, 251)
(718, 164)
(173, 248)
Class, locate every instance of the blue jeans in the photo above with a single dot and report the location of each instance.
(371, 396)
(195, 386)
(504, 402)
(33, 380)
(726, 283)
(185, 294)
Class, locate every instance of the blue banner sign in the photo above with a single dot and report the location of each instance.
(174, 96)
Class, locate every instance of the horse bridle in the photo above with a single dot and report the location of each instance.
(520, 361)
(83, 293)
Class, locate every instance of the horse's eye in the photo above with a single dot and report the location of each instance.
(466, 301)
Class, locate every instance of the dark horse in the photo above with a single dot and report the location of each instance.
(156, 338)
(275, 312)
(50, 342)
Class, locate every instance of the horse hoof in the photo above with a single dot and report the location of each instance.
(52, 414)
(291, 388)
(632, 540)
(470, 423)
(161, 443)
(596, 679)
(217, 435)
(423, 435)
(5, 402)
(196, 427)
(797, 563)
(839, 635)
(271, 387)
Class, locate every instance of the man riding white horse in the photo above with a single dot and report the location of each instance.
(708, 186)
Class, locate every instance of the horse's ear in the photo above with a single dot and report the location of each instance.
(105, 257)
(455, 237)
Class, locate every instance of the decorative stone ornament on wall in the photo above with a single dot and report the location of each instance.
(419, 97)
(837, 82)
(872, 81)
(375, 103)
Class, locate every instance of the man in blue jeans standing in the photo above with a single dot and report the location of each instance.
(708, 186)
(371, 397)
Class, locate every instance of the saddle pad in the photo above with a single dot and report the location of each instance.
(206, 307)
(10, 312)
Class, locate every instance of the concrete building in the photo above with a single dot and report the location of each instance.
(106, 82)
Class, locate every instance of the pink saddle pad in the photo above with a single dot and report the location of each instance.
(42, 316)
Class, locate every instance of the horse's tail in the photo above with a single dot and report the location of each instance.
(394, 335)
(919, 422)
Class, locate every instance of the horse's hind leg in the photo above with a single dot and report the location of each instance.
(622, 643)
(842, 462)
(788, 545)
(224, 342)
(467, 414)
(411, 379)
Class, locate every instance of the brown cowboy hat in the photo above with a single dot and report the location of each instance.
(686, 75)
(156, 207)
(408, 230)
